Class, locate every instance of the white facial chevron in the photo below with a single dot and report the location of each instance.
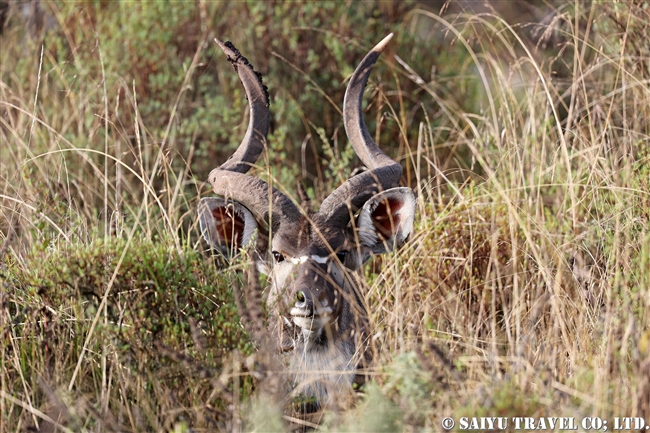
(302, 259)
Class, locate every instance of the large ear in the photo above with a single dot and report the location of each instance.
(386, 220)
(226, 225)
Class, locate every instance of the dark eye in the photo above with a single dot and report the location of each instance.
(279, 258)
(342, 255)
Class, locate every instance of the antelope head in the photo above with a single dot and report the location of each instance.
(310, 258)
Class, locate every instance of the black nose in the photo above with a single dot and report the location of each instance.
(300, 298)
(304, 302)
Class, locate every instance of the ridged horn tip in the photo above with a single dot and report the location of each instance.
(233, 53)
(224, 48)
(237, 59)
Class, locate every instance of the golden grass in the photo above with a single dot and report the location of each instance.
(522, 292)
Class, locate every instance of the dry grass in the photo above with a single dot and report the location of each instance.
(523, 291)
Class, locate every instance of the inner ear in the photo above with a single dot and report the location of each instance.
(386, 217)
(226, 226)
(386, 220)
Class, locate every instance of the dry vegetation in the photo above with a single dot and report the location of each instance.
(524, 290)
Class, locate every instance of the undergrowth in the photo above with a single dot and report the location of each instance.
(523, 290)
